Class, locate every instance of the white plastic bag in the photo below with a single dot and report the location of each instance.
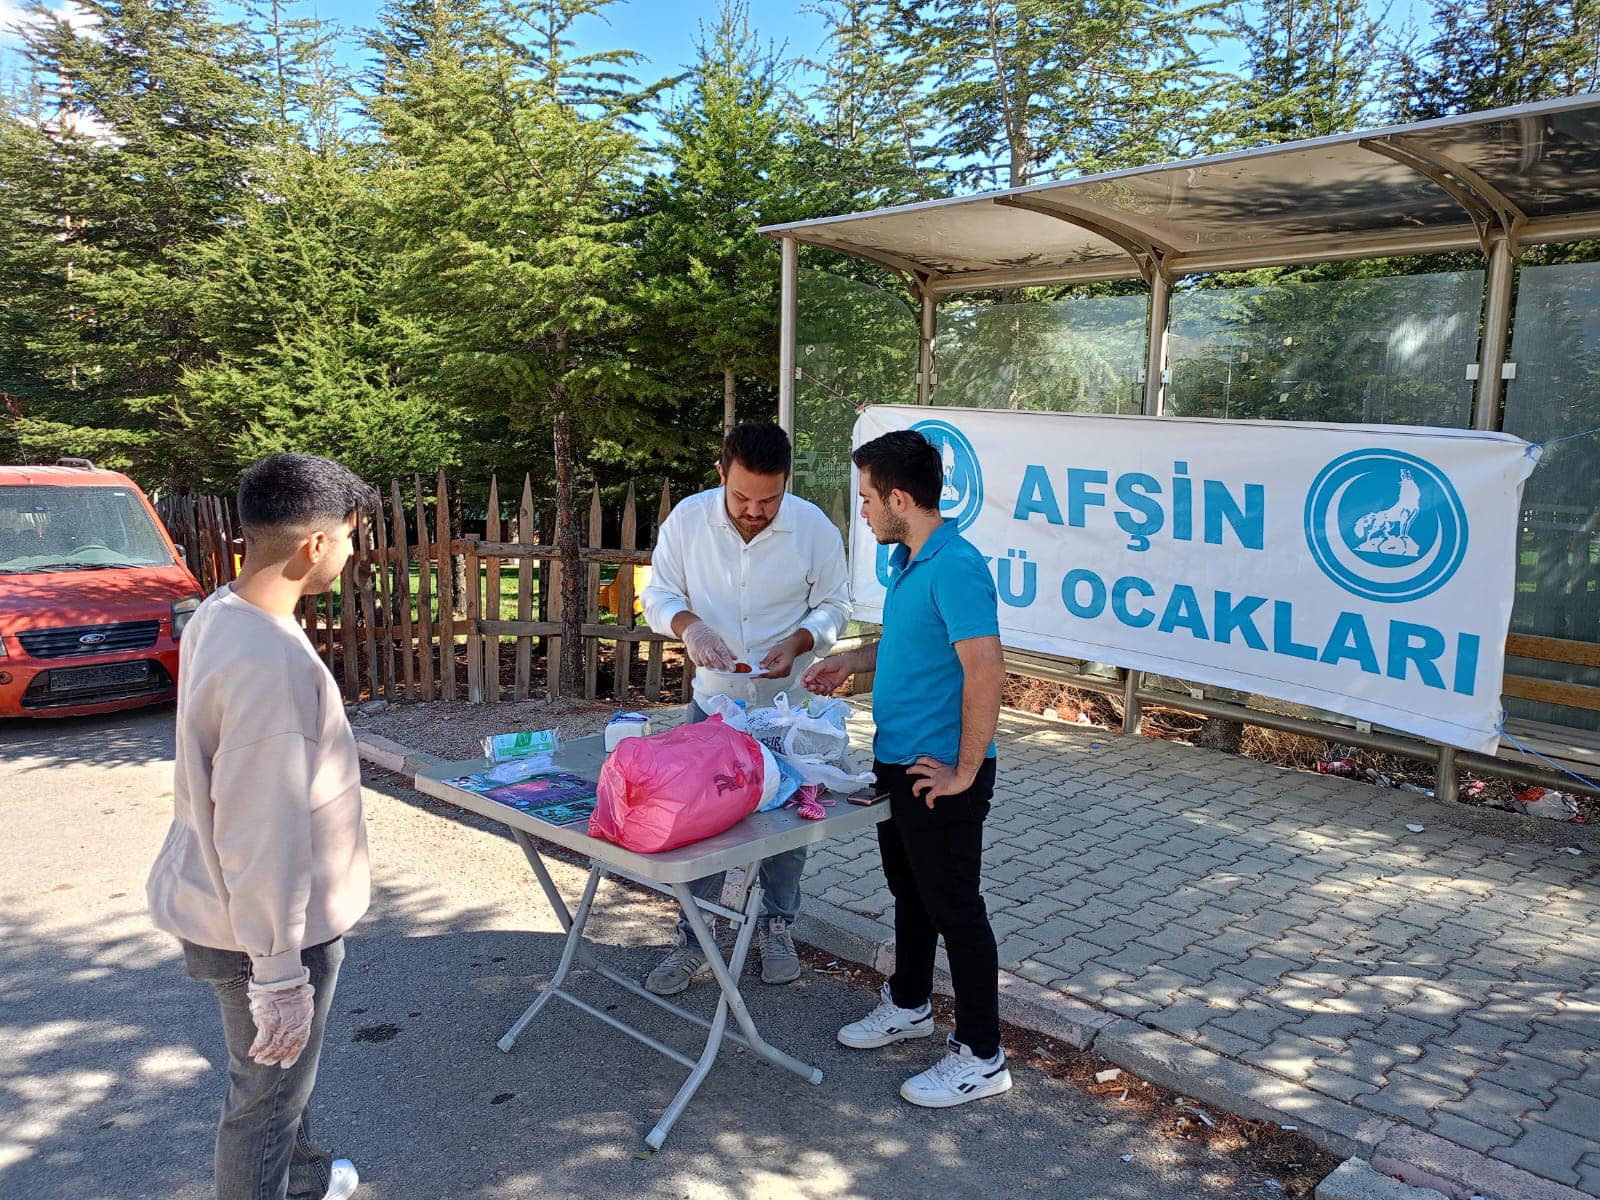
(767, 725)
(814, 732)
(771, 776)
(731, 711)
(813, 741)
(781, 781)
(834, 778)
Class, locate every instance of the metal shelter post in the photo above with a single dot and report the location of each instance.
(1155, 403)
(1132, 705)
(1155, 372)
(1496, 332)
(1445, 779)
(925, 335)
(786, 325)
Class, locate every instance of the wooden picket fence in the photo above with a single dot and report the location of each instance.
(419, 613)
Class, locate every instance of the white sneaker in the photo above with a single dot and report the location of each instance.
(342, 1180)
(958, 1077)
(888, 1023)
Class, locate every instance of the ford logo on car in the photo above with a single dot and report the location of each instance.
(91, 639)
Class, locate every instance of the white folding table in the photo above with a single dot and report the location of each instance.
(757, 837)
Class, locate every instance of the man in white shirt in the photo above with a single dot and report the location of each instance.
(265, 865)
(748, 575)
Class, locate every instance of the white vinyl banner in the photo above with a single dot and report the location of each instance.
(1365, 570)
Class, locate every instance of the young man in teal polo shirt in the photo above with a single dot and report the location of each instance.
(936, 700)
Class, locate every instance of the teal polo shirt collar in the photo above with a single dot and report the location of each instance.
(900, 557)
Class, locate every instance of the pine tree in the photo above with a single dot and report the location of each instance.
(1311, 69)
(1492, 53)
(1029, 88)
(290, 301)
(145, 157)
(872, 126)
(24, 267)
(499, 202)
(708, 280)
(306, 89)
(596, 84)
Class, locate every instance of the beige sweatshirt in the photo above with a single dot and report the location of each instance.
(268, 847)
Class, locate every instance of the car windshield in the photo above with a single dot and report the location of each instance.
(76, 529)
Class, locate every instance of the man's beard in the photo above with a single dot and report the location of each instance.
(746, 525)
(894, 529)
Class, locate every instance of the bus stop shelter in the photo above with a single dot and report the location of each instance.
(1483, 187)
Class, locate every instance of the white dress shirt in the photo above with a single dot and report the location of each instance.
(789, 576)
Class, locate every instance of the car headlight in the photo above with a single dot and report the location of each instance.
(182, 610)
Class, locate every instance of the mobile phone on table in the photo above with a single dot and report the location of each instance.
(865, 799)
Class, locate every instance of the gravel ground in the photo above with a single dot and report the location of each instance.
(456, 729)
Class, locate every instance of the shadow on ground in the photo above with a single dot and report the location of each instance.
(113, 1074)
(135, 737)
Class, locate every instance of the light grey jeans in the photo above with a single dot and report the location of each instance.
(264, 1149)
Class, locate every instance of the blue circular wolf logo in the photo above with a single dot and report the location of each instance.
(1385, 525)
(962, 496)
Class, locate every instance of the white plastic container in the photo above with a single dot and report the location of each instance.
(626, 725)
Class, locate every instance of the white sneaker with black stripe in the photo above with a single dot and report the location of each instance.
(958, 1077)
(888, 1023)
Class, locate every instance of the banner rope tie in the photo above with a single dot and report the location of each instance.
(1530, 752)
(1538, 450)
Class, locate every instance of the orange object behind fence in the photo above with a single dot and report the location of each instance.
(608, 591)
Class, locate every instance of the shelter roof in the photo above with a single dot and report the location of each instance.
(1531, 173)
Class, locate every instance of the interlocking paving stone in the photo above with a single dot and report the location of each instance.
(1069, 957)
(1287, 1054)
(1405, 1097)
(1449, 980)
(1118, 935)
(1556, 1045)
(1468, 1133)
(1573, 1112)
(1265, 969)
(1546, 1150)
(1589, 1173)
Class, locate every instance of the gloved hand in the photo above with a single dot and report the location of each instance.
(282, 1013)
(706, 648)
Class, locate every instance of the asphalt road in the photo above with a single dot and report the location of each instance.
(111, 1073)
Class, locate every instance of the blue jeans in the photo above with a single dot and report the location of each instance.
(264, 1149)
(780, 876)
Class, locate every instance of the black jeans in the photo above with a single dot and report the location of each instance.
(932, 859)
(264, 1149)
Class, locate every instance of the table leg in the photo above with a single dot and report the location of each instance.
(719, 1020)
(729, 982)
(568, 954)
(543, 873)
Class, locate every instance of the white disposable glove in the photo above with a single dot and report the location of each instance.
(282, 1013)
(706, 648)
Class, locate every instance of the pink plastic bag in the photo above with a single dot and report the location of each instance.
(677, 787)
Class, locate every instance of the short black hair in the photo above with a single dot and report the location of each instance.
(903, 460)
(300, 491)
(760, 447)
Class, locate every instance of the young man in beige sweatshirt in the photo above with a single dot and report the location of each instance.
(265, 865)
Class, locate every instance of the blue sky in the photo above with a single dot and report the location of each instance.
(663, 30)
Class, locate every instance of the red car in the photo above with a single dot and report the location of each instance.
(93, 594)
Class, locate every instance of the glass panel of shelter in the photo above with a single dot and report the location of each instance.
(1389, 350)
(1084, 354)
(1556, 351)
(855, 344)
